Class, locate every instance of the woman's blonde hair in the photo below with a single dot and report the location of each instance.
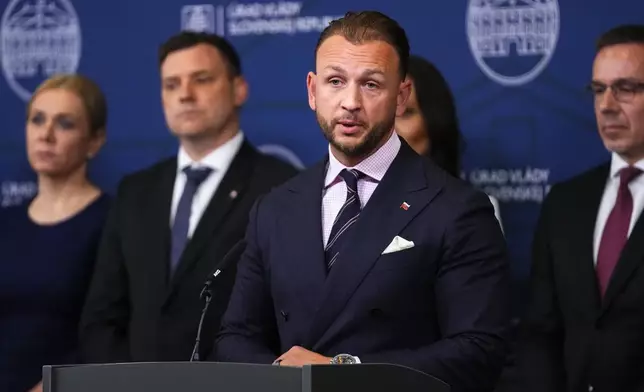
(89, 92)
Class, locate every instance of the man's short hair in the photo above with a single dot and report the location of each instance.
(622, 34)
(188, 39)
(360, 27)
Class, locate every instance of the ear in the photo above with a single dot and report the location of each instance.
(403, 96)
(96, 143)
(311, 80)
(240, 91)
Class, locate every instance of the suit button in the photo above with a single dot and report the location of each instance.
(376, 313)
(284, 315)
(591, 388)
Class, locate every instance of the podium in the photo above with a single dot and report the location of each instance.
(231, 377)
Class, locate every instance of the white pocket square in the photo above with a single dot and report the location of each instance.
(398, 244)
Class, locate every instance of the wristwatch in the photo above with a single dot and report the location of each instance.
(343, 359)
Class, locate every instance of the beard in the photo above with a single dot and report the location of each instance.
(372, 140)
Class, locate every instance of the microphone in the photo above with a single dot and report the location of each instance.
(232, 256)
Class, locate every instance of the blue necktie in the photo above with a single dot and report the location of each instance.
(346, 217)
(194, 178)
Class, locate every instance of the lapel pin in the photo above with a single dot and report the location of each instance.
(405, 206)
(233, 194)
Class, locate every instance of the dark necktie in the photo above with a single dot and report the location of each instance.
(346, 217)
(194, 178)
(615, 232)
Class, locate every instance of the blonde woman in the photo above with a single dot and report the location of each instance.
(48, 245)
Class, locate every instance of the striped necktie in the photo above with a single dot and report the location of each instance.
(346, 217)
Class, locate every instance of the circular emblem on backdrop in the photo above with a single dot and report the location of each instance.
(282, 153)
(38, 38)
(512, 40)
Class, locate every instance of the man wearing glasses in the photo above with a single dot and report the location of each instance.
(584, 327)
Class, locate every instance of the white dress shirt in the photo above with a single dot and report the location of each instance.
(610, 196)
(219, 161)
(497, 210)
(335, 189)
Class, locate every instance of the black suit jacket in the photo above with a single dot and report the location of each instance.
(572, 339)
(135, 311)
(440, 306)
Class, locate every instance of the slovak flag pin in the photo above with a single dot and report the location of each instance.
(233, 194)
(405, 206)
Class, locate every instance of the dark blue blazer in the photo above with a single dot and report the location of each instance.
(440, 307)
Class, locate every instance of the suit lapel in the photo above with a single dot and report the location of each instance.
(629, 261)
(157, 212)
(380, 221)
(583, 236)
(223, 200)
(303, 227)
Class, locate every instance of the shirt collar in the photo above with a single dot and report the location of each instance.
(618, 163)
(374, 166)
(218, 160)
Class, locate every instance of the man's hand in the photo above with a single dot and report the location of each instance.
(298, 357)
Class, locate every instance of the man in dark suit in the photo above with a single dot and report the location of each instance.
(374, 254)
(173, 222)
(584, 329)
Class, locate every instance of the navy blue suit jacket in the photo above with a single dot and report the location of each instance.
(440, 307)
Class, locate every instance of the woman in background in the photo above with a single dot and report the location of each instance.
(48, 246)
(430, 122)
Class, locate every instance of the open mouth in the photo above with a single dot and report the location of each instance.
(349, 126)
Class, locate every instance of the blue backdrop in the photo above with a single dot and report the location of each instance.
(517, 67)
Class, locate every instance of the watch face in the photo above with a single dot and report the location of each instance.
(344, 359)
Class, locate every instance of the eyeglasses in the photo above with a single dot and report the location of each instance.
(623, 90)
